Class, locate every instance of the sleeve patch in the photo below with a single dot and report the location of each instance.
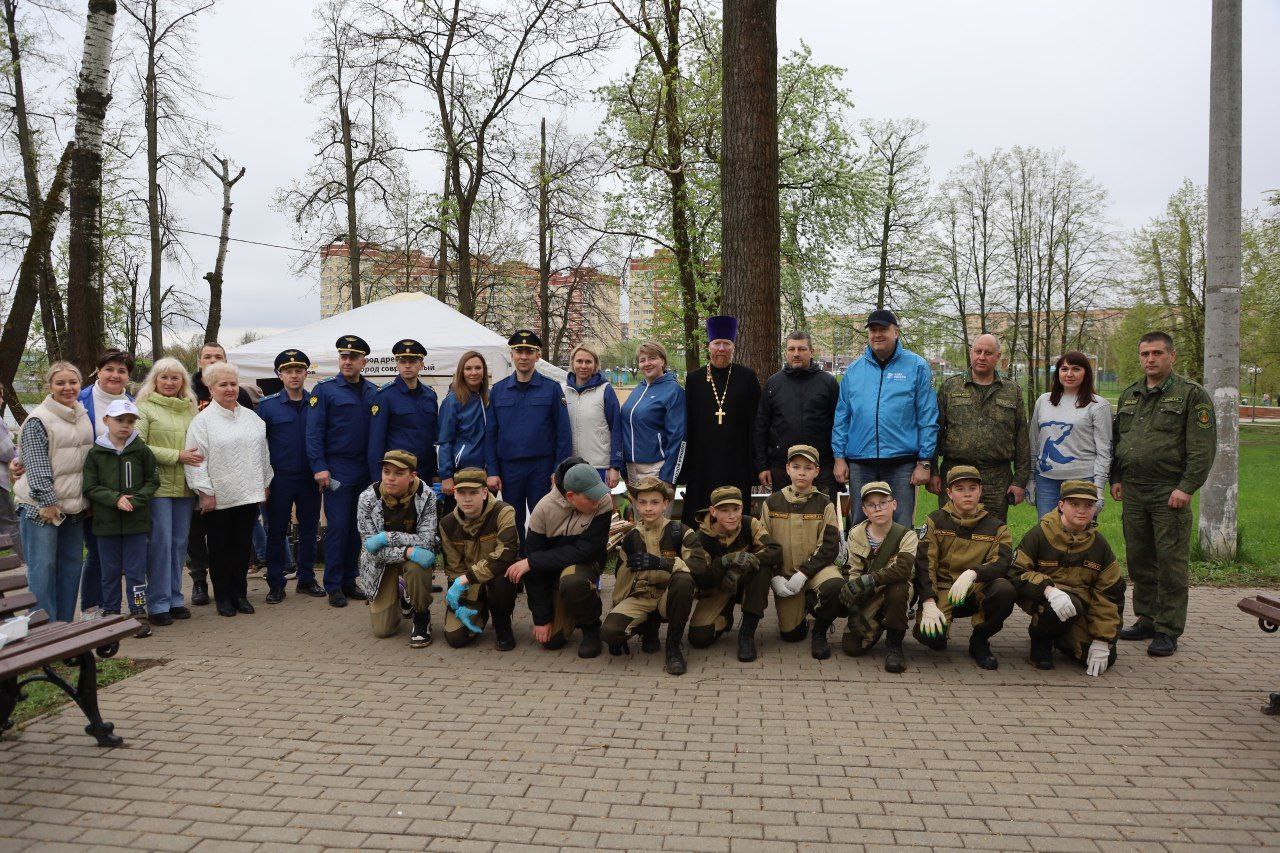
(1203, 415)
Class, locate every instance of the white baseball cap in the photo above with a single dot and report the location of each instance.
(121, 407)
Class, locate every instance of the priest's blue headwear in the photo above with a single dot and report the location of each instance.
(722, 328)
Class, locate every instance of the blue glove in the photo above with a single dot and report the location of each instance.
(456, 590)
(423, 557)
(376, 542)
(464, 615)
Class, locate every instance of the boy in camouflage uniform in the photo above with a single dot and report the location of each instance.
(802, 520)
(741, 558)
(966, 552)
(1069, 581)
(653, 581)
(479, 543)
(882, 558)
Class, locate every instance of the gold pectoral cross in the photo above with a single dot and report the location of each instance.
(720, 417)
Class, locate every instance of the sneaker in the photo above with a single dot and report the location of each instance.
(91, 614)
(145, 630)
(291, 574)
(1162, 646)
(420, 637)
(1140, 630)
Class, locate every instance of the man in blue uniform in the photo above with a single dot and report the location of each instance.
(285, 415)
(337, 449)
(531, 428)
(405, 414)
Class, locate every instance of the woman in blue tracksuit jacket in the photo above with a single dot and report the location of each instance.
(653, 419)
(466, 429)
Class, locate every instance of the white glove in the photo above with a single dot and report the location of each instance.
(960, 589)
(932, 623)
(796, 583)
(780, 587)
(1098, 659)
(1060, 602)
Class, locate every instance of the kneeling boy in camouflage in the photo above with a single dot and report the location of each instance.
(1069, 581)
(962, 567)
(653, 581)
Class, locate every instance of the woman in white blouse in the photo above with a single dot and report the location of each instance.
(231, 482)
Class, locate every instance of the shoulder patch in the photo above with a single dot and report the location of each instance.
(1204, 415)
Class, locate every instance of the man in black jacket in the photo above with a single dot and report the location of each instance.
(566, 542)
(797, 406)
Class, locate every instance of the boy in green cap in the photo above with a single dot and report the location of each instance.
(1069, 581)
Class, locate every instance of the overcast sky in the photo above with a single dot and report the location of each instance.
(1120, 85)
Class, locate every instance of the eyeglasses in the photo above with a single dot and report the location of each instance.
(876, 507)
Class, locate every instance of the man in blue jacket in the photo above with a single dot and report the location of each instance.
(886, 423)
(405, 415)
(532, 432)
(337, 448)
(292, 488)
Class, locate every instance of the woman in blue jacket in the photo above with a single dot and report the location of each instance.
(466, 423)
(653, 419)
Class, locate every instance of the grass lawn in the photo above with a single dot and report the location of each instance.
(1259, 563)
(42, 697)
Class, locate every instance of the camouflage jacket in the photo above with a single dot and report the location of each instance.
(983, 425)
(1164, 436)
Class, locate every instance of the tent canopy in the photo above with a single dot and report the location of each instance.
(445, 333)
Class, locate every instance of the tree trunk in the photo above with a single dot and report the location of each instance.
(1219, 500)
(151, 118)
(223, 174)
(544, 242)
(751, 228)
(353, 230)
(882, 280)
(84, 294)
(17, 326)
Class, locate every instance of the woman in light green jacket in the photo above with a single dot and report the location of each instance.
(167, 406)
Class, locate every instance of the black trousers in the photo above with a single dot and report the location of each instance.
(229, 533)
(197, 548)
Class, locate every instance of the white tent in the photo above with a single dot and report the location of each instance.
(446, 334)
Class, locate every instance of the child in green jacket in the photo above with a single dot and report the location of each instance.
(120, 477)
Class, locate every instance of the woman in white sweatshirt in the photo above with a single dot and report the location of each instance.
(231, 482)
(1070, 433)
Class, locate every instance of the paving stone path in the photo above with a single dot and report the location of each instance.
(294, 726)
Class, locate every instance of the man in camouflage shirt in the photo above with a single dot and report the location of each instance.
(1165, 436)
(981, 422)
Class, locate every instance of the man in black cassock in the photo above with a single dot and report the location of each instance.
(721, 400)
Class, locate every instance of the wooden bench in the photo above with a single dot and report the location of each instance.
(1267, 610)
(48, 643)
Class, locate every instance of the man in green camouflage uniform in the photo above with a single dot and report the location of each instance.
(1165, 436)
(981, 422)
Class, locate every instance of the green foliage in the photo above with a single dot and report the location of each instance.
(1122, 347)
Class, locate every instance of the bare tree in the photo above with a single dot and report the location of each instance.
(476, 65)
(1219, 504)
(223, 175)
(751, 236)
(84, 293)
(357, 156)
(899, 200)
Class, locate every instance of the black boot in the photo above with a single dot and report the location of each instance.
(502, 633)
(199, 591)
(818, 645)
(980, 651)
(590, 645)
(675, 664)
(275, 595)
(226, 606)
(1041, 652)
(649, 642)
(354, 593)
(420, 637)
(243, 605)
(1140, 630)
(894, 659)
(617, 650)
(747, 638)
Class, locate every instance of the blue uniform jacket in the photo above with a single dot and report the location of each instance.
(466, 436)
(86, 400)
(531, 419)
(886, 412)
(404, 420)
(338, 427)
(286, 422)
(653, 424)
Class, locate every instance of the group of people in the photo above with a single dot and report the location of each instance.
(508, 488)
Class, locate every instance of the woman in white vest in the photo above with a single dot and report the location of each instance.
(54, 442)
(594, 414)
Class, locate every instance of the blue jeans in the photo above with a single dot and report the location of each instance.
(54, 557)
(1047, 492)
(124, 555)
(897, 475)
(91, 588)
(170, 526)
